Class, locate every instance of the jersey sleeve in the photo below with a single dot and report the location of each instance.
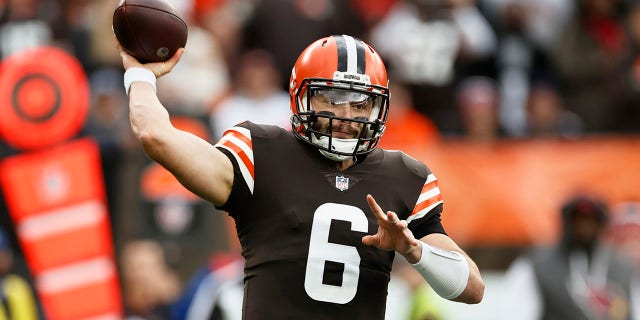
(427, 204)
(237, 145)
(428, 199)
(429, 225)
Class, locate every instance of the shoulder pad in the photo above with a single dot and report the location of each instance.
(416, 166)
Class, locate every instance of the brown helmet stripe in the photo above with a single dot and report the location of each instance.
(351, 57)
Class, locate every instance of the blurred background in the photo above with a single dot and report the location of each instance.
(528, 111)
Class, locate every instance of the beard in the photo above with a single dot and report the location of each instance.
(345, 129)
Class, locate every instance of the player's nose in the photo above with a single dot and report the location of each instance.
(343, 110)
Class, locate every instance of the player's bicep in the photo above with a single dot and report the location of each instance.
(197, 164)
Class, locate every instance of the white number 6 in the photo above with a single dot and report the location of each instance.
(321, 250)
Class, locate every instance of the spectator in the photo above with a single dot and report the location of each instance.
(204, 61)
(624, 230)
(92, 32)
(107, 124)
(627, 117)
(256, 96)
(148, 283)
(477, 102)
(429, 46)
(215, 292)
(527, 32)
(579, 277)
(26, 24)
(372, 12)
(17, 299)
(286, 27)
(588, 59)
(406, 127)
(224, 21)
(546, 115)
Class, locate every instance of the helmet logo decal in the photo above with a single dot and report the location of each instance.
(351, 57)
(351, 77)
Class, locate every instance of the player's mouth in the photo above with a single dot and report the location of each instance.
(343, 133)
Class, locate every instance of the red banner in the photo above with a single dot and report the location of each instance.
(56, 199)
(510, 192)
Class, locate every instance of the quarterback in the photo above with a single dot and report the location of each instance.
(320, 211)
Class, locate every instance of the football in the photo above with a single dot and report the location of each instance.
(149, 30)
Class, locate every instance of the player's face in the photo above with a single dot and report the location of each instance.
(343, 105)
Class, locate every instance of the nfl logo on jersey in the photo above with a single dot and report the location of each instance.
(342, 183)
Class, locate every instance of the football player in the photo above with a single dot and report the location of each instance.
(320, 211)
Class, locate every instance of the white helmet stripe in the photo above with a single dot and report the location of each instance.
(352, 57)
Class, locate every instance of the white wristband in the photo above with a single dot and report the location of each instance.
(447, 272)
(138, 74)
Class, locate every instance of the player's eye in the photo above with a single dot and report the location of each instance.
(362, 105)
(359, 105)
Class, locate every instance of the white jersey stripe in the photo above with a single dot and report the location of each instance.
(423, 212)
(230, 139)
(246, 174)
(428, 194)
(240, 144)
(429, 197)
(244, 131)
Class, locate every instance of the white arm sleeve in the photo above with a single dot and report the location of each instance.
(447, 272)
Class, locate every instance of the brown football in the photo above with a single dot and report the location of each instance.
(150, 30)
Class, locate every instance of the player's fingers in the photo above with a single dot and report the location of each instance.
(393, 217)
(175, 58)
(128, 61)
(377, 211)
(118, 45)
(162, 68)
(179, 53)
(370, 240)
(411, 239)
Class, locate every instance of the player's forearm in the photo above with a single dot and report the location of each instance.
(450, 272)
(474, 291)
(149, 119)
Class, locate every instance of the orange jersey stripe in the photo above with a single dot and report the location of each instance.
(245, 159)
(429, 186)
(424, 204)
(239, 136)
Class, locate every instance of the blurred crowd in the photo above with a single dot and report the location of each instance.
(479, 70)
(482, 69)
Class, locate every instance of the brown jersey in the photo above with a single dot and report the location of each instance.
(300, 222)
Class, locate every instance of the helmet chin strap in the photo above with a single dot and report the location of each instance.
(337, 144)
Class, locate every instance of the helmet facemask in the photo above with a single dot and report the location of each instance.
(343, 119)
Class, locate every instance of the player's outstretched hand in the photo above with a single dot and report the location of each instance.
(158, 68)
(393, 233)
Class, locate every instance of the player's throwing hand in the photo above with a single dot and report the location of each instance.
(158, 68)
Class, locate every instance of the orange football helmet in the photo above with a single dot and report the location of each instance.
(345, 70)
